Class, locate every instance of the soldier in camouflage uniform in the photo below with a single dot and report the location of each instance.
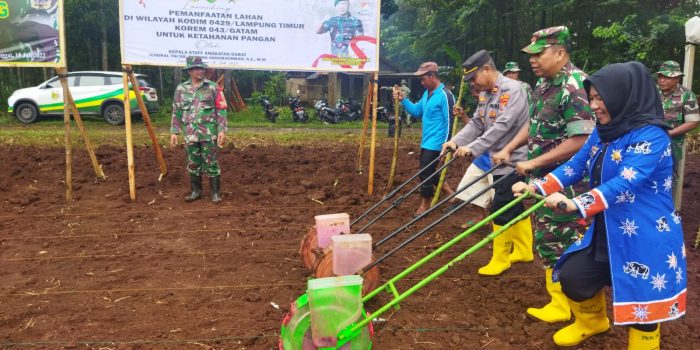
(560, 123)
(199, 110)
(512, 70)
(342, 28)
(680, 111)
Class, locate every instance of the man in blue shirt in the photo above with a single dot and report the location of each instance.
(435, 110)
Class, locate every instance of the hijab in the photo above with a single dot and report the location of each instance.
(631, 97)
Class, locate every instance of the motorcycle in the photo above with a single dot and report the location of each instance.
(348, 109)
(270, 112)
(298, 112)
(326, 114)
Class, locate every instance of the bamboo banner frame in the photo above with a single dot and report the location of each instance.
(373, 140)
(68, 108)
(395, 155)
(149, 127)
(438, 189)
(126, 70)
(365, 123)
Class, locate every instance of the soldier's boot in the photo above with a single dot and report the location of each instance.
(501, 248)
(558, 308)
(196, 186)
(590, 320)
(215, 184)
(639, 340)
(522, 242)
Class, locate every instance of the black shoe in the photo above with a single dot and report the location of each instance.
(215, 184)
(196, 185)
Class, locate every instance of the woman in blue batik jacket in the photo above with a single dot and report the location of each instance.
(635, 244)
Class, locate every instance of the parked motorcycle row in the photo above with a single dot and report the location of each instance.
(345, 110)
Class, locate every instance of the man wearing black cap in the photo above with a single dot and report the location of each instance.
(435, 110)
(501, 112)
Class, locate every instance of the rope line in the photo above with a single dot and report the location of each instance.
(241, 286)
(228, 209)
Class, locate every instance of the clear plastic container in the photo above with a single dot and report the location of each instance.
(351, 253)
(330, 225)
(335, 303)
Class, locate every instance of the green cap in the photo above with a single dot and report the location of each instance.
(670, 69)
(545, 38)
(511, 67)
(193, 62)
(337, 1)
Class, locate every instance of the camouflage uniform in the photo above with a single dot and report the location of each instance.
(342, 29)
(560, 111)
(195, 112)
(680, 106)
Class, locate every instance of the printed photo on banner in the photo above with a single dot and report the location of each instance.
(318, 35)
(30, 33)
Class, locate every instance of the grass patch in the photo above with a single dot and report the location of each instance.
(245, 128)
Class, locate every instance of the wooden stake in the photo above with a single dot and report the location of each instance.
(127, 124)
(443, 173)
(67, 137)
(365, 123)
(372, 146)
(88, 144)
(149, 126)
(396, 142)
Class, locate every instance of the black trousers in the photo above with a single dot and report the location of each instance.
(581, 277)
(504, 195)
(427, 189)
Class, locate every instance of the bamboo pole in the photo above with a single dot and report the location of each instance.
(127, 124)
(365, 123)
(88, 144)
(67, 137)
(443, 174)
(149, 127)
(373, 142)
(395, 156)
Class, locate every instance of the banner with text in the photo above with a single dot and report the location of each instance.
(310, 35)
(31, 33)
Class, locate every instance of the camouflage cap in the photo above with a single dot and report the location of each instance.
(193, 62)
(337, 1)
(545, 38)
(670, 69)
(511, 67)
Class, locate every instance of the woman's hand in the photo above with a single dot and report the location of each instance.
(558, 201)
(519, 188)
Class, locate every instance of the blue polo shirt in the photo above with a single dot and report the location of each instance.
(435, 110)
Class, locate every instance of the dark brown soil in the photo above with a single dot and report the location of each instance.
(158, 273)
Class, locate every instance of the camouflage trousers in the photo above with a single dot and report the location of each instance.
(556, 231)
(677, 155)
(202, 158)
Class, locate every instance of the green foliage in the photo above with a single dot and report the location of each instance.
(603, 32)
(275, 88)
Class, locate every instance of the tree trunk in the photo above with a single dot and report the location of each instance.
(105, 56)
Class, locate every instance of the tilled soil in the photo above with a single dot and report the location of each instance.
(106, 272)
